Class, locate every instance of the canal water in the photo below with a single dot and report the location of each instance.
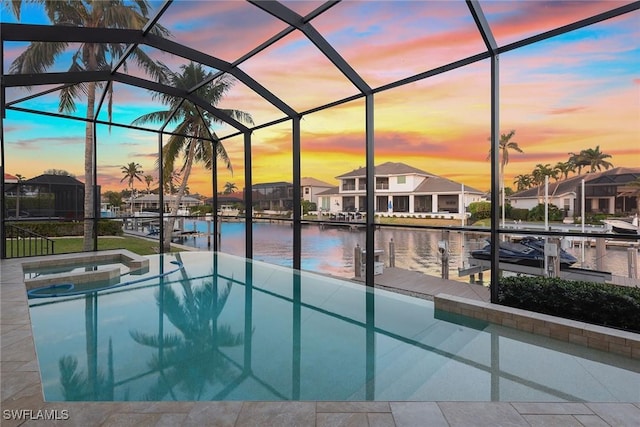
(330, 250)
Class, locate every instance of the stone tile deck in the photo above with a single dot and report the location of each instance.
(21, 392)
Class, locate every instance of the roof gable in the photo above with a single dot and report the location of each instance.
(386, 169)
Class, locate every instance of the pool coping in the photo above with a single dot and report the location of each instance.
(21, 391)
(611, 340)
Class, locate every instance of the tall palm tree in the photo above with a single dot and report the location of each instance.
(595, 159)
(577, 161)
(131, 171)
(505, 145)
(40, 56)
(229, 188)
(193, 121)
(540, 172)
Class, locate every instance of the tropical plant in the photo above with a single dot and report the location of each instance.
(229, 188)
(523, 181)
(199, 337)
(131, 171)
(595, 159)
(202, 144)
(148, 179)
(505, 144)
(40, 56)
(563, 169)
(577, 161)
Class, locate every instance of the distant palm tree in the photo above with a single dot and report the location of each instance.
(195, 122)
(523, 181)
(595, 159)
(148, 179)
(564, 168)
(229, 188)
(540, 172)
(40, 56)
(505, 144)
(131, 172)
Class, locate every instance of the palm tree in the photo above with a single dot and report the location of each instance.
(595, 159)
(229, 188)
(577, 161)
(563, 169)
(131, 171)
(540, 172)
(199, 147)
(148, 179)
(505, 144)
(522, 181)
(40, 56)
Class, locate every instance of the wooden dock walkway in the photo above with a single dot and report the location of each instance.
(422, 285)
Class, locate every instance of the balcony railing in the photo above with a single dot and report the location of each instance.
(26, 243)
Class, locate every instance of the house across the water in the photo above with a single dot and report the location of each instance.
(605, 192)
(400, 190)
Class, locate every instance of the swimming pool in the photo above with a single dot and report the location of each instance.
(225, 328)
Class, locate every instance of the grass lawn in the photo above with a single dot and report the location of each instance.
(65, 245)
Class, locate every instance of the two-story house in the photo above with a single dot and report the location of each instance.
(400, 189)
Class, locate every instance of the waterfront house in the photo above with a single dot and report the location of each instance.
(401, 189)
(605, 192)
(311, 187)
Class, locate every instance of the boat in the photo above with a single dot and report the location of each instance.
(623, 227)
(228, 211)
(527, 251)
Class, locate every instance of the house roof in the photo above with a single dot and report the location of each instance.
(619, 176)
(330, 191)
(312, 182)
(388, 168)
(50, 179)
(438, 184)
(10, 178)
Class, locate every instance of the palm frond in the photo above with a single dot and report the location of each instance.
(148, 340)
(37, 57)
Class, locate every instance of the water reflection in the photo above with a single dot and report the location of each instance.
(330, 250)
(189, 362)
(244, 330)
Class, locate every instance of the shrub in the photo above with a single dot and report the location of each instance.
(519, 214)
(60, 229)
(480, 210)
(537, 213)
(598, 303)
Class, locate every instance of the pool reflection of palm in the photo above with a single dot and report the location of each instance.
(190, 361)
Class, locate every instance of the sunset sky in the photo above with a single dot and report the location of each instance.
(562, 95)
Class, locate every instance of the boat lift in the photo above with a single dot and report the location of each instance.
(478, 266)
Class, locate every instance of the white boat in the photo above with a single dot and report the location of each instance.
(228, 211)
(623, 227)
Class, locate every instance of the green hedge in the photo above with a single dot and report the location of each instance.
(598, 303)
(60, 229)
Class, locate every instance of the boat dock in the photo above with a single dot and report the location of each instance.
(418, 284)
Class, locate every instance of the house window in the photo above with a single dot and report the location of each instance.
(348, 184)
(402, 179)
(362, 184)
(382, 183)
(306, 190)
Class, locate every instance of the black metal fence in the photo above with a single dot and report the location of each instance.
(25, 243)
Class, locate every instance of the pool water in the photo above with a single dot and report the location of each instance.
(225, 328)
